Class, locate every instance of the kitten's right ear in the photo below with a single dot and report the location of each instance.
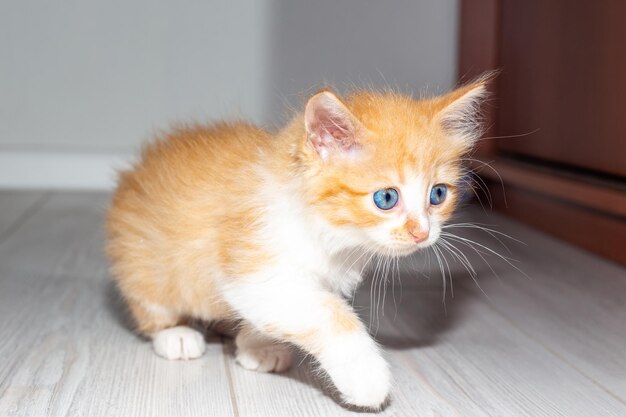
(331, 127)
(459, 111)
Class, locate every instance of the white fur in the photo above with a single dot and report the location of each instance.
(352, 360)
(179, 342)
(158, 312)
(357, 369)
(318, 263)
(316, 266)
(258, 353)
(414, 203)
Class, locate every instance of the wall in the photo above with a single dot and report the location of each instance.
(83, 83)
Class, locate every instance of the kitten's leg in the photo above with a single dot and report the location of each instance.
(325, 326)
(258, 352)
(170, 339)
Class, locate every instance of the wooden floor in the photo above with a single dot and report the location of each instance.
(552, 343)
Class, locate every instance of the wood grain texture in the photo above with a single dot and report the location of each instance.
(562, 76)
(66, 347)
(550, 344)
(578, 190)
(558, 100)
(582, 210)
(590, 229)
(479, 52)
(572, 303)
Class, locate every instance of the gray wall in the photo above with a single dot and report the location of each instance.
(101, 74)
(93, 79)
(405, 44)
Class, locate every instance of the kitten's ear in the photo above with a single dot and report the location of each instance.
(459, 111)
(330, 126)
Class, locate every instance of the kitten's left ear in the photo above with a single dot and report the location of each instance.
(330, 126)
(459, 111)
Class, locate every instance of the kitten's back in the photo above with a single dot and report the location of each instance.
(172, 210)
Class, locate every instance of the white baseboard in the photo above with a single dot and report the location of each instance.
(61, 170)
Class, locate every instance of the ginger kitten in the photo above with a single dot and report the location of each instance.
(229, 222)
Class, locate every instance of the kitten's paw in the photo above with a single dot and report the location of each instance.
(359, 372)
(267, 358)
(179, 342)
(367, 385)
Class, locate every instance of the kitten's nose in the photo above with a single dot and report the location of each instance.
(417, 232)
(419, 235)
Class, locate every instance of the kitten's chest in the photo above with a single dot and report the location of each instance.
(307, 247)
(313, 254)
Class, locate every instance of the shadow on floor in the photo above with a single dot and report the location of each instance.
(116, 306)
(413, 312)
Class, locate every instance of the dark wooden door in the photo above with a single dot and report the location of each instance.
(564, 75)
(562, 87)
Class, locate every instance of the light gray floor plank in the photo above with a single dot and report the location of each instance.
(550, 345)
(302, 392)
(573, 302)
(66, 349)
(64, 237)
(483, 366)
(295, 393)
(15, 207)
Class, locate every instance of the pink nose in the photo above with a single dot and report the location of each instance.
(419, 235)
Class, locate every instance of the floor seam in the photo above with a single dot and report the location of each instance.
(229, 377)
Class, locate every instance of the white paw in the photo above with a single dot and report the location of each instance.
(179, 342)
(267, 358)
(358, 371)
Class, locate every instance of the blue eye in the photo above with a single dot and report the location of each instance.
(438, 194)
(386, 198)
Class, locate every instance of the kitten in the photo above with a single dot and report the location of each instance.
(229, 222)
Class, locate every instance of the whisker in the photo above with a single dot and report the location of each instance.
(470, 185)
(348, 255)
(443, 255)
(460, 256)
(521, 135)
(504, 245)
(482, 227)
(372, 291)
(393, 286)
(472, 275)
(361, 272)
(384, 284)
(492, 169)
(470, 243)
(443, 275)
(485, 189)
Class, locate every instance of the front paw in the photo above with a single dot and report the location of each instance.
(265, 358)
(358, 371)
(179, 343)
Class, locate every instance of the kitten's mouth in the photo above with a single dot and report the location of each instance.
(405, 249)
(407, 252)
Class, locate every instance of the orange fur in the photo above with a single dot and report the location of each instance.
(190, 206)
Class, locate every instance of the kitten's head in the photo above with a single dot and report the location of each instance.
(388, 167)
